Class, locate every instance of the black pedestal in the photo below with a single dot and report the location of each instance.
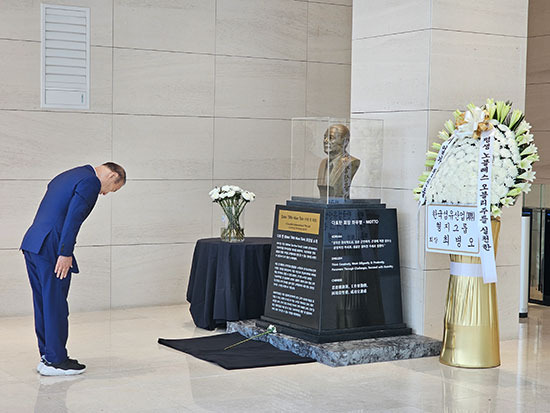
(334, 272)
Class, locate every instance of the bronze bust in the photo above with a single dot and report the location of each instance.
(341, 166)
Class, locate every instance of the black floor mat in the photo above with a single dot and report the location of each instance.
(244, 356)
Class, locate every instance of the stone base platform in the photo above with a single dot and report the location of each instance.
(345, 353)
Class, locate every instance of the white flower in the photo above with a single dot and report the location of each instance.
(529, 150)
(214, 194)
(525, 163)
(443, 135)
(496, 211)
(525, 139)
(527, 175)
(248, 196)
(524, 186)
(456, 179)
(230, 193)
(508, 202)
(522, 128)
(505, 153)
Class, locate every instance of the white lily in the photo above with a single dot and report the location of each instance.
(524, 139)
(450, 126)
(515, 117)
(525, 163)
(529, 150)
(527, 175)
(522, 128)
(496, 211)
(502, 110)
(491, 107)
(508, 201)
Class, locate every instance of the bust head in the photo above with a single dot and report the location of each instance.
(336, 140)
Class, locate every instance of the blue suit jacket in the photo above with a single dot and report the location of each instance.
(69, 200)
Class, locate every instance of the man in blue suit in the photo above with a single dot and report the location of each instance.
(48, 249)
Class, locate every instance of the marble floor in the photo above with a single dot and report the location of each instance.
(129, 372)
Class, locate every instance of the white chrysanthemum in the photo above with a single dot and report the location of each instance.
(456, 179)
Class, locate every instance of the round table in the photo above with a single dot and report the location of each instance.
(228, 281)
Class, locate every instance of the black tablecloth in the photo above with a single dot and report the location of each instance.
(228, 280)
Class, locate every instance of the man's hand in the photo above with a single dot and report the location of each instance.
(63, 266)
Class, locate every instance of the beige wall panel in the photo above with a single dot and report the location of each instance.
(542, 168)
(96, 230)
(91, 287)
(503, 17)
(260, 88)
(410, 233)
(461, 56)
(340, 2)
(536, 104)
(404, 138)
(183, 25)
(256, 148)
(161, 147)
(538, 60)
(329, 33)
(539, 16)
(382, 17)
(262, 28)
(39, 145)
(150, 274)
(151, 82)
(19, 75)
(19, 202)
(437, 282)
(388, 83)
(20, 19)
(16, 293)
(258, 219)
(509, 240)
(328, 87)
(101, 80)
(412, 296)
(508, 301)
(161, 212)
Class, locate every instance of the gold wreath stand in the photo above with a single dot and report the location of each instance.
(470, 334)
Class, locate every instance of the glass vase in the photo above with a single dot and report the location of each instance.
(232, 229)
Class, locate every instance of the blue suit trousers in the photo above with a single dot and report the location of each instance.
(51, 310)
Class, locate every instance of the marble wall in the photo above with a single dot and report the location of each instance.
(538, 83)
(185, 94)
(413, 64)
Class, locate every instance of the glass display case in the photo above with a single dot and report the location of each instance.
(536, 206)
(336, 160)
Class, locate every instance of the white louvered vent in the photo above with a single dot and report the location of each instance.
(65, 57)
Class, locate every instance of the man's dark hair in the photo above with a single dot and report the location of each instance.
(114, 167)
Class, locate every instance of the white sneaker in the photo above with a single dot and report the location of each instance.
(69, 367)
(40, 365)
